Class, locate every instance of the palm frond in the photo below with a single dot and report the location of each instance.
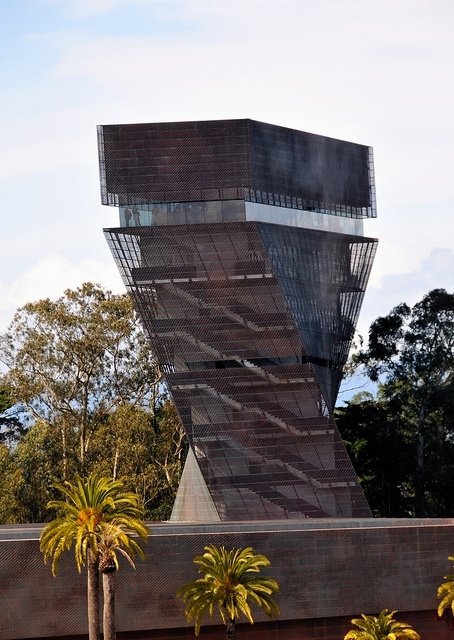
(230, 584)
(383, 627)
(445, 593)
(90, 504)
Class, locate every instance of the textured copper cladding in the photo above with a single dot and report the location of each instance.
(231, 159)
(326, 569)
(251, 308)
(238, 330)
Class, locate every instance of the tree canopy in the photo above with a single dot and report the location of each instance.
(445, 593)
(402, 442)
(82, 369)
(73, 361)
(381, 627)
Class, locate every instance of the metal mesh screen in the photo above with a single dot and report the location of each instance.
(251, 321)
(174, 161)
(325, 569)
(214, 301)
(235, 159)
(323, 277)
(329, 175)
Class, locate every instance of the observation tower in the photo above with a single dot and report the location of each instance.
(242, 246)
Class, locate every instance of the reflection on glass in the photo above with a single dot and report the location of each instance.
(209, 212)
(170, 213)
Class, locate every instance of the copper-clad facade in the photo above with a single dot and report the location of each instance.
(241, 244)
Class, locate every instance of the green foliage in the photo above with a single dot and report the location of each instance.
(382, 449)
(75, 360)
(112, 540)
(11, 510)
(11, 427)
(38, 459)
(145, 451)
(411, 353)
(89, 504)
(382, 440)
(81, 366)
(383, 627)
(230, 585)
(27, 473)
(5, 401)
(445, 593)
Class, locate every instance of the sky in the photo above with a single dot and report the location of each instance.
(375, 72)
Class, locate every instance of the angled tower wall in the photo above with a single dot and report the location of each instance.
(241, 244)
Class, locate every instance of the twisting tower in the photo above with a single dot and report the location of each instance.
(242, 246)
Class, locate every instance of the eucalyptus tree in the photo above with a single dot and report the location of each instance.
(145, 449)
(73, 361)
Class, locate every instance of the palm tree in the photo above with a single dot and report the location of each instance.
(229, 584)
(382, 628)
(90, 502)
(446, 594)
(111, 540)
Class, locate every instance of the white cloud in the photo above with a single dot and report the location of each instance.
(85, 8)
(377, 73)
(49, 277)
(435, 271)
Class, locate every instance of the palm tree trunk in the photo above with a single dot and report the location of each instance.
(93, 597)
(108, 587)
(230, 629)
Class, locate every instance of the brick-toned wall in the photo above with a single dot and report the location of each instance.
(329, 571)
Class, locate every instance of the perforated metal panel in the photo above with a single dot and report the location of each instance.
(236, 327)
(235, 159)
(251, 321)
(325, 568)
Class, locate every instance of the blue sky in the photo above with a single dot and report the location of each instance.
(377, 72)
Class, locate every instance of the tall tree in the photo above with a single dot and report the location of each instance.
(145, 450)
(411, 350)
(11, 509)
(231, 585)
(89, 504)
(382, 441)
(38, 464)
(75, 360)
